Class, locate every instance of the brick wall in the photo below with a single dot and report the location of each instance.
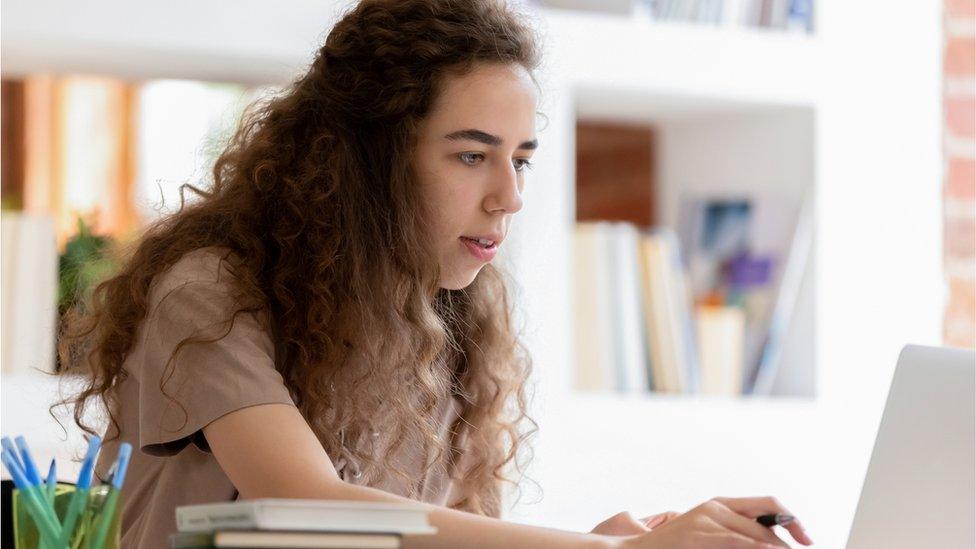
(959, 188)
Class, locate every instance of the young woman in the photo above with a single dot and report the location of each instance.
(325, 321)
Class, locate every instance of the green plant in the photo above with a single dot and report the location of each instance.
(85, 261)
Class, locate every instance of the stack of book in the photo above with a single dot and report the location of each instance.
(634, 325)
(307, 523)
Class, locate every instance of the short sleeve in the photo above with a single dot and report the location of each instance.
(205, 380)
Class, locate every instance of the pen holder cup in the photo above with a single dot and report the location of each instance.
(27, 534)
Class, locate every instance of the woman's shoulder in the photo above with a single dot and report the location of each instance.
(211, 264)
(212, 270)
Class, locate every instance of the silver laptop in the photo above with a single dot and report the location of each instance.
(920, 488)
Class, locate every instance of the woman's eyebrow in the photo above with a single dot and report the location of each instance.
(487, 138)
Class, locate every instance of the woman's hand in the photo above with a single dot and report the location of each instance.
(623, 524)
(720, 523)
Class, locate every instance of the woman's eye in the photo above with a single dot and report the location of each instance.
(471, 158)
(522, 164)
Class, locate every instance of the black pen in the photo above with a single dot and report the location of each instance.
(773, 520)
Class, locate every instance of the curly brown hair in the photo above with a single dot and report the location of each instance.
(316, 194)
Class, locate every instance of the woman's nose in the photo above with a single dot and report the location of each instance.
(505, 196)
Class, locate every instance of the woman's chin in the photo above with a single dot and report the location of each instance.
(459, 281)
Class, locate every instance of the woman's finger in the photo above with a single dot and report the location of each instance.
(755, 507)
(659, 519)
(730, 520)
(653, 520)
(730, 539)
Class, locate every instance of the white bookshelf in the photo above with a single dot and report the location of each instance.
(734, 113)
(873, 101)
(819, 111)
(720, 148)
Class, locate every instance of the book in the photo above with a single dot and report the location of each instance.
(611, 338)
(667, 308)
(274, 539)
(661, 347)
(595, 349)
(628, 323)
(721, 334)
(313, 515)
(682, 304)
(633, 309)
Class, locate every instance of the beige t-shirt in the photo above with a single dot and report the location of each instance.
(171, 463)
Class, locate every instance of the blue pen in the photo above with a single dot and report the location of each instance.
(48, 527)
(8, 445)
(79, 499)
(34, 477)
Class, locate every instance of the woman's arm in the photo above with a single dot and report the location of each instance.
(270, 451)
(460, 529)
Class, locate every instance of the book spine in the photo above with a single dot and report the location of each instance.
(684, 329)
(720, 339)
(205, 520)
(631, 319)
(607, 309)
(616, 304)
(190, 540)
(592, 309)
(664, 327)
(584, 307)
(652, 346)
(731, 13)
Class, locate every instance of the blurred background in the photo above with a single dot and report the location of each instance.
(740, 212)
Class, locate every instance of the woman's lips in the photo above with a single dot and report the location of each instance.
(482, 253)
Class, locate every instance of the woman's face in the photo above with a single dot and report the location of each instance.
(472, 154)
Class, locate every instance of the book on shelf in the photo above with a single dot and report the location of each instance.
(725, 270)
(777, 14)
(720, 333)
(632, 335)
(698, 11)
(667, 307)
(594, 326)
(280, 522)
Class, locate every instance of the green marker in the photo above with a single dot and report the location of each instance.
(52, 482)
(79, 499)
(108, 510)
